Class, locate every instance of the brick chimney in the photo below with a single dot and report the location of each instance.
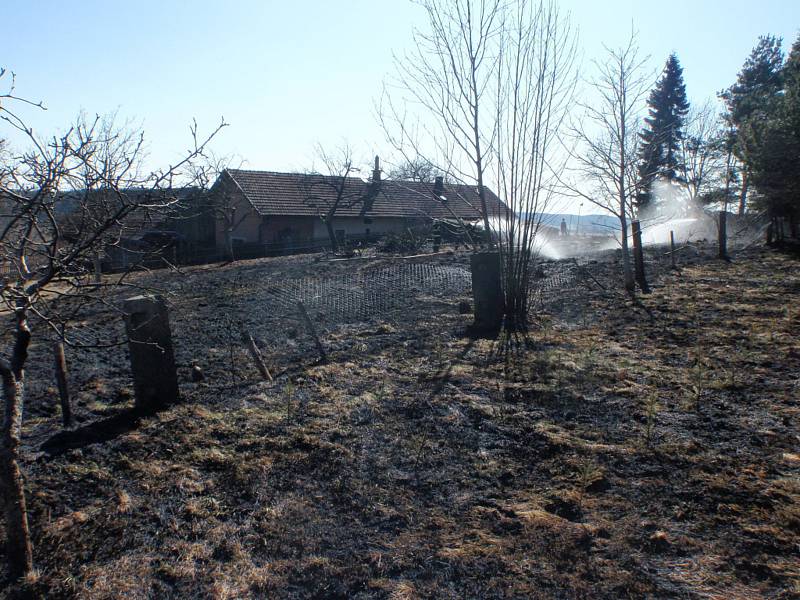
(376, 172)
(438, 185)
(373, 188)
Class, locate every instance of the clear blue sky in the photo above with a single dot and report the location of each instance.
(289, 74)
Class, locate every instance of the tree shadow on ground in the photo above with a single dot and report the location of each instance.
(96, 432)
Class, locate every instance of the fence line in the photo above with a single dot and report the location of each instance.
(348, 297)
(356, 296)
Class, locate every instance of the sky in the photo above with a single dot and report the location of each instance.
(290, 75)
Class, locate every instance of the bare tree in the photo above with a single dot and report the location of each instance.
(494, 81)
(92, 175)
(607, 142)
(703, 150)
(711, 167)
(535, 83)
(219, 196)
(417, 169)
(450, 75)
(334, 187)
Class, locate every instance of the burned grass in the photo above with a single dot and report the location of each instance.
(621, 450)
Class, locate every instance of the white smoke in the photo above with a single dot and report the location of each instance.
(549, 244)
(674, 211)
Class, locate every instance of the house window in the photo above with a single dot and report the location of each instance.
(367, 221)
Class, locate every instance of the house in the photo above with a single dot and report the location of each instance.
(170, 223)
(259, 213)
(286, 210)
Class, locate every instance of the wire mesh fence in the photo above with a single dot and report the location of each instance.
(554, 285)
(354, 296)
(269, 306)
(360, 295)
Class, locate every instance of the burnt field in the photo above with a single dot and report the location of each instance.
(622, 449)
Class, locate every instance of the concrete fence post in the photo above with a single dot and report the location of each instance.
(487, 291)
(155, 379)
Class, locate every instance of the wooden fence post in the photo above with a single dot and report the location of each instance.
(672, 248)
(723, 234)
(255, 353)
(61, 380)
(638, 256)
(323, 356)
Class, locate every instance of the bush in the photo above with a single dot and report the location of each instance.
(407, 241)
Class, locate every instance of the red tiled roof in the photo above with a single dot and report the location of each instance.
(296, 194)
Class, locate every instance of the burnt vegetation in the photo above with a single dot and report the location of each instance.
(628, 426)
(624, 448)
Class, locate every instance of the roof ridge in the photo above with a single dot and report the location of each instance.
(258, 172)
(264, 172)
(399, 181)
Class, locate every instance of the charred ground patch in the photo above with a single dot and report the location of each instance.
(623, 449)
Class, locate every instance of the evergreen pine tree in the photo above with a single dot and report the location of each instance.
(791, 123)
(751, 100)
(759, 82)
(659, 156)
(771, 140)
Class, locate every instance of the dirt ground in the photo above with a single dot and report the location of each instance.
(621, 450)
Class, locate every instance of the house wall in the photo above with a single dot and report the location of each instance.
(358, 226)
(277, 229)
(246, 220)
(252, 228)
(198, 228)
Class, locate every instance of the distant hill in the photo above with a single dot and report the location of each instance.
(599, 224)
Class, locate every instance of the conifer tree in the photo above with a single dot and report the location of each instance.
(660, 155)
(751, 100)
(759, 82)
(771, 140)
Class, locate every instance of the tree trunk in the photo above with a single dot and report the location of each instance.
(638, 255)
(479, 162)
(18, 538)
(229, 243)
(332, 236)
(484, 209)
(743, 195)
(627, 272)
